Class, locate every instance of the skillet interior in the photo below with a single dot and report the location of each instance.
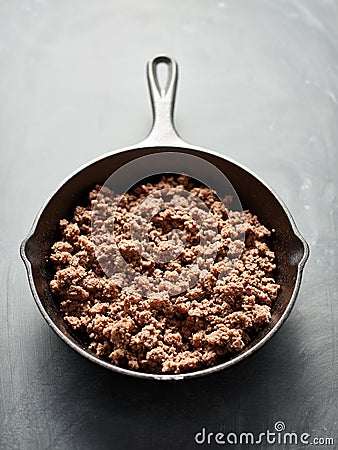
(290, 249)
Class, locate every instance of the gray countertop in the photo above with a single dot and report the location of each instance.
(258, 83)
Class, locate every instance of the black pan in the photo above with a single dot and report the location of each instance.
(289, 246)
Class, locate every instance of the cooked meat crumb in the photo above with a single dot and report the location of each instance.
(203, 323)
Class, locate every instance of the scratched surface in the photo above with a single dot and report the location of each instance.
(259, 83)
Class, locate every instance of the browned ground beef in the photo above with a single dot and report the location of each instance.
(200, 327)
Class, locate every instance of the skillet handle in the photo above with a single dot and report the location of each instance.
(163, 131)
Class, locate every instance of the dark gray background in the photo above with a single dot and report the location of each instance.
(259, 83)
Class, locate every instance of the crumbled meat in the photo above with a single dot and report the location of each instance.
(201, 323)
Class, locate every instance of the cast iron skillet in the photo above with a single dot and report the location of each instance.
(290, 247)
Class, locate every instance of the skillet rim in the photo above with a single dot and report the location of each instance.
(172, 377)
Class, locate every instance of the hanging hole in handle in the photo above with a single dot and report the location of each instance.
(162, 70)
